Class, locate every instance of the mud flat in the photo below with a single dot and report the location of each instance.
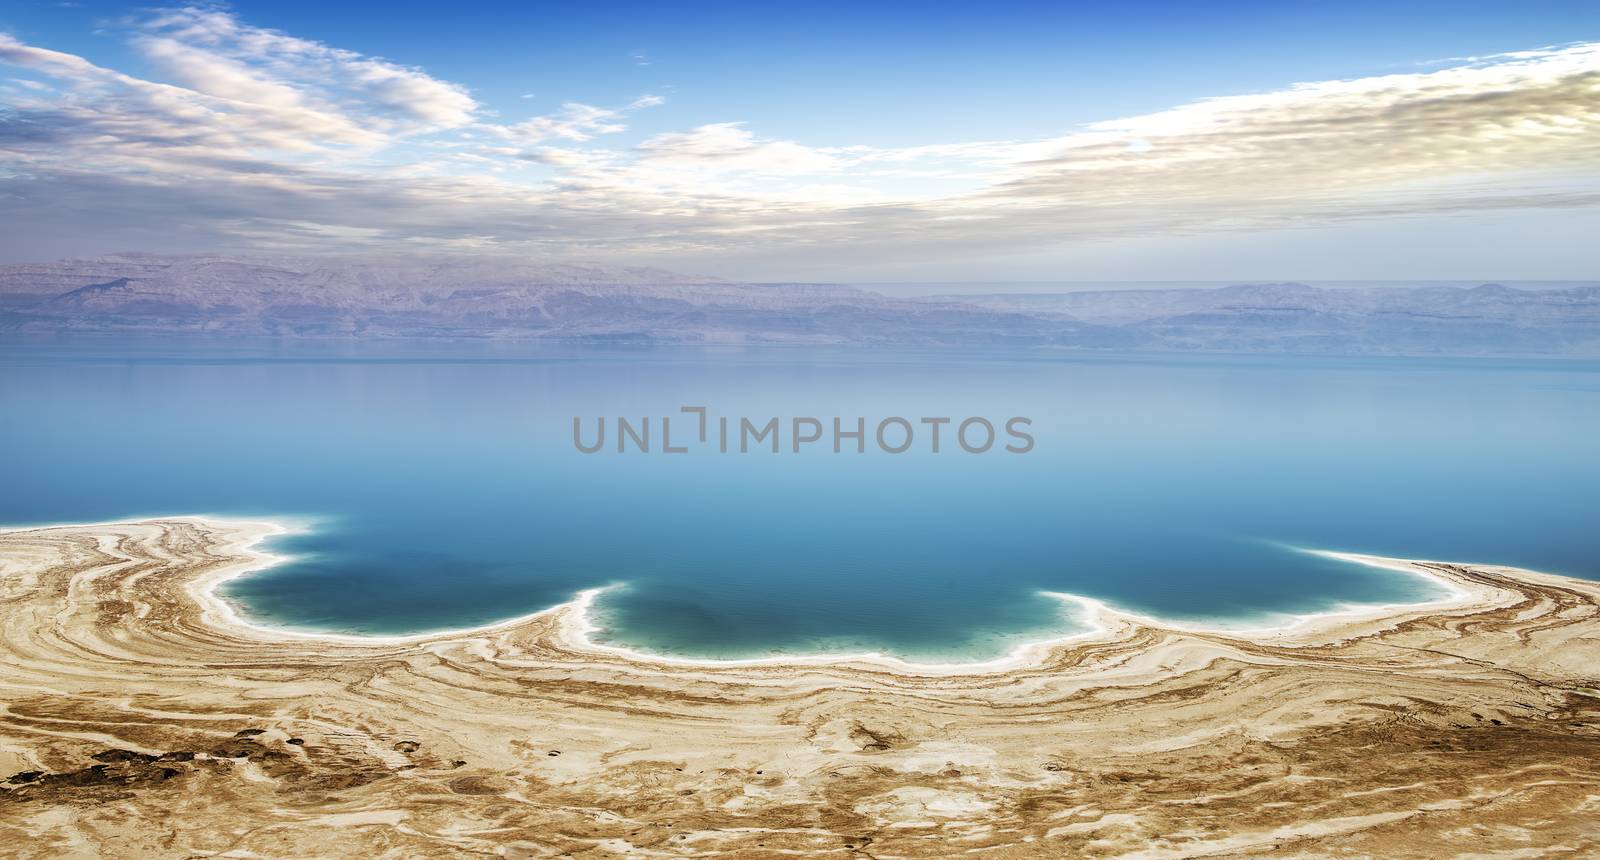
(141, 717)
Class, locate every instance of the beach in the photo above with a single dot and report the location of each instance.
(144, 717)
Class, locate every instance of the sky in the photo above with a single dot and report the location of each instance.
(818, 141)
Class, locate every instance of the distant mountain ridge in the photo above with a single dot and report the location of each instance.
(1125, 306)
(1489, 319)
(496, 297)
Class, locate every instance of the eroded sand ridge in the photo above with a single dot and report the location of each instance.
(141, 719)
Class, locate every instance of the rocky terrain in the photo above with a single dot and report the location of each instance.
(486, 297)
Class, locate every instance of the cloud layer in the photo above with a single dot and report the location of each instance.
(245, 138)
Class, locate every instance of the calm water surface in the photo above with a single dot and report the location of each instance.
(445, 490)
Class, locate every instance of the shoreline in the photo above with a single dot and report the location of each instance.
(142, 717)
(576, 623)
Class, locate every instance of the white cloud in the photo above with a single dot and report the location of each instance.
(113, 114)
(730, 146)
(215, 75)
(256, 138)
(575, 122)
(211, 51)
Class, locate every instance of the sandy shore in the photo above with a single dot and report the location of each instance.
(143, 718)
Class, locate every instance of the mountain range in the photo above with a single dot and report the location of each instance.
(494, 297)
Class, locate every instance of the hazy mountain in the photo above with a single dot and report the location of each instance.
(1487, 319)
(482, 296)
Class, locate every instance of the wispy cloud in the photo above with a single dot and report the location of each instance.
(729, 146)
(211, 52)
(574, 122)
(252, 138)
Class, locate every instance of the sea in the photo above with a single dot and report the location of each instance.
(439, 484)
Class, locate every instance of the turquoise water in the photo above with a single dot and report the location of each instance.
(444, 489)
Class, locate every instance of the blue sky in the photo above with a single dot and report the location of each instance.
(819, 140)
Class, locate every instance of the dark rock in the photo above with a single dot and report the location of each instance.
(115, 755)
